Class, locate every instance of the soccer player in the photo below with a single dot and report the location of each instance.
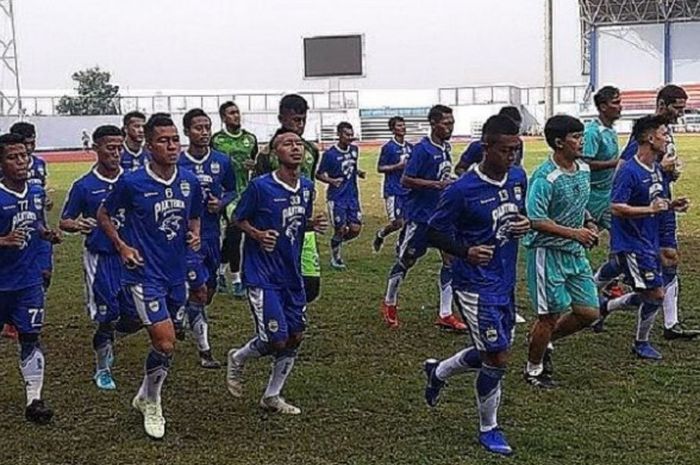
(339, 170)
(427, 173)
(478, 221)
(274, 213)
(559, 276)
(133, 155)
(22, 228)
(216, 178)
(639, 204)
(671, 102)
(242, 147)
(292, 113)
(102, 266)
(392, 161)
(162, 206)
(475, 150)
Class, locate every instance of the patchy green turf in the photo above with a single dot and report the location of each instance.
(359, 384)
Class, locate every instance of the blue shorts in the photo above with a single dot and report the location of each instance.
(23, 308)
(105, 299)
(667, 231)
(490, 318)
(203, 265)
(394, 207)
(278, 313)
(154, 303)
(344, 213)
(642, 270)
(45, 256)
(413, 242)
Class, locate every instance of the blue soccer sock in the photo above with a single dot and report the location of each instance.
(461, 362)
(155, 371)
(32, 366)
(488, 396)
(197, 317)
(103, 345)
(281, 369)
(445, 291)
(645, 319)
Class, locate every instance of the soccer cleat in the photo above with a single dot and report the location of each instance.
(519, 319)
(495, 441)
(541, 381)
(677, 331)
(338, 264)
(153, 421)
(207, 360)
(103, 380)
(450, 323)
(238, 290)
(390, 315)
(644, 350)
(377, 243)
(433, 384)
(9, 332)
(548, 363)
(234, 375)
(37, 412)
(276, 404)
(598, 326)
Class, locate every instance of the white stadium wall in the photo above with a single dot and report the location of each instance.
(631, 57)
(685, 49)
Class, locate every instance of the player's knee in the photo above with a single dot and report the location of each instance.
(294, 340)
(211, 291)
(496, 359)
(587, 315)
(163, 337)
(548, 321)
(279, 346)
(354, 231)
(653, 296)
(46, 277)
(397, 224)
(199, 295)
(128, 325)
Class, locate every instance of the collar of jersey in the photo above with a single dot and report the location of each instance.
(442, 148)
(285, 185)
(102, 178)
(485, 178)
(19, 195)
(157, 178)
(341, 150)
(137, 154)
(198, 161)
(563, 171)
(229, 133)
(397, 142)
(636, 158)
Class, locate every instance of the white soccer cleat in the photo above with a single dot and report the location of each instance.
(153, 420)
(234, 375)
(276, 404)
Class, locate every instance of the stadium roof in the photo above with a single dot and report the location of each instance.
(629, 12)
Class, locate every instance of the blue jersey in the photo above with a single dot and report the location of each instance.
(216, 177)
(156, 213)
(430, 162)
(474, 153)
(476, 210)
(84, 199)
(393, 153)
(341, 164)
(38, 171)
(267, 204)
(19, 267)
(637, 185)
(131, 161)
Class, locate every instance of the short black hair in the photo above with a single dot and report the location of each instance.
(159, 114)
(670, 93)
(132, 114)
(395, 119)
(643, 125)
(559, 126)
(279, 132)
(343, 125)
(225, 106)
(10, 139)
(498, 125)
(295, 103)
(192, 114)
(157, 120)
(106, 130)
(24, 129)
(605, 94)
(437, 111)
(512, 112)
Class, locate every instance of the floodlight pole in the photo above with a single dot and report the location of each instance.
(548, 59)
(8, 58)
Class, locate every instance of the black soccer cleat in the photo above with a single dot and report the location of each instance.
(37, 412)
(540, 381)
(677, 331)
(377, 243)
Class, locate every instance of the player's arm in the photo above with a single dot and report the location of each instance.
(384, 167)
(317, 223)
(194, 222)
(410, 178)
(467, 159)
(623, 185)
(591, 146)
(245, 211)
(72, 219)
(322, 173)
(116, 199)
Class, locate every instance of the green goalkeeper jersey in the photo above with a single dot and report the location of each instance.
(239, 147)
(267, 160)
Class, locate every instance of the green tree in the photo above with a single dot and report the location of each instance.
(96, 95)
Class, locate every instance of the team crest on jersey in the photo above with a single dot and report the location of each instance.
(38, 202)
(491, 334)
(215, 168)
(185, 188)
(649, 276)
(273, 326)
(518, 191)
(192, 275)
(102, 309)
(307, 195)
(153, 306)
(246, 143)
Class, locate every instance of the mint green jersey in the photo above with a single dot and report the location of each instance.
(239, 147)
(560, 196)
(600, 144)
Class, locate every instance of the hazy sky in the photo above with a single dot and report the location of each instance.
(246, 44)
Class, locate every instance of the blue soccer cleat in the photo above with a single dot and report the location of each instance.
(104, 380)
(495, 441)
(645, 350)
(238, 290)
(433, 384)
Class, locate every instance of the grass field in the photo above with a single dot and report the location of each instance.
(360, 385)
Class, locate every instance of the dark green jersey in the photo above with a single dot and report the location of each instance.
(239, 147)
(267, 160)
